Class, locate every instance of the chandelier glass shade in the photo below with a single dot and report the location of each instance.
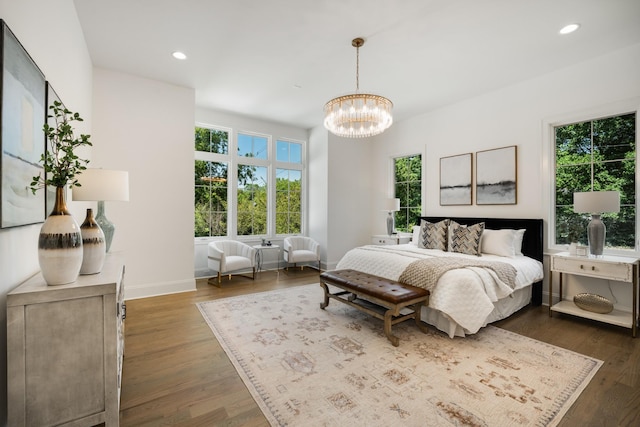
(358, 115)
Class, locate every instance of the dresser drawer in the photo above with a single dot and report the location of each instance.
(593, 268)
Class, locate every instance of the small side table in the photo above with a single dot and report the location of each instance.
(260, 255)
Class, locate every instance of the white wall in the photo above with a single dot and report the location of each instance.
(61, 54)
(146, 127)
(241, 123)
(511, 116)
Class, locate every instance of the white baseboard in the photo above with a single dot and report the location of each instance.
(146, 290)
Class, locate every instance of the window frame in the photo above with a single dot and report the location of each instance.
(393, 183)
(629, 106)
(232, 159)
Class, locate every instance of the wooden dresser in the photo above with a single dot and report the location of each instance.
(64, 349)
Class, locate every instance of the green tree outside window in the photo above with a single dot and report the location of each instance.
(597, 155)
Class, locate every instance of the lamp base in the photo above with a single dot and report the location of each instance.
(107, 226)
(596, 232)
(390, 224)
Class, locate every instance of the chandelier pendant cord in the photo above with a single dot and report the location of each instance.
(357, 68)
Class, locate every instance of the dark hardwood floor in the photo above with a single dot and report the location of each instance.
(176, 374)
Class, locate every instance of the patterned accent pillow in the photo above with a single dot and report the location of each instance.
(466, 240)
(453, 225)
(433, 236)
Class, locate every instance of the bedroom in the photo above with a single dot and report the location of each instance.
(162, 257)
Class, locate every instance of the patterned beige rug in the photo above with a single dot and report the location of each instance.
(310, 367)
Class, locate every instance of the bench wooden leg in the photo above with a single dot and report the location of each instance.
(417, 308)
(388, 316)
(325, 303)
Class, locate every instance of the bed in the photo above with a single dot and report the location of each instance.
(474, 290)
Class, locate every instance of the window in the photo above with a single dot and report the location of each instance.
(243, 188)
(408, 188)
(288, 187)
(596, 155)
(211, 180)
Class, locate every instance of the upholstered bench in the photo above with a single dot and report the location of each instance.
(377, 296)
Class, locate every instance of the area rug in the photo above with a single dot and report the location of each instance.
(306, 366)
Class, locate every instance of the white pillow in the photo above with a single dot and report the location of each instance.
(499, 242)
(416, 235)
(518, 235)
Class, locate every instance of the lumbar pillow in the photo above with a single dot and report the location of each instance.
(498, 242)
(433, 236)
(466, 240)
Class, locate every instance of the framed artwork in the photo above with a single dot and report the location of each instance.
(455, 180)
(496, 176)
(22, 141)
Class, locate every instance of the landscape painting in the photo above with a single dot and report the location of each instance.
(22, 137)
(455, 180)
(496, 172)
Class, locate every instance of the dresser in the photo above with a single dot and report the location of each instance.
(64, 349)
(394, 239)
(616, 268)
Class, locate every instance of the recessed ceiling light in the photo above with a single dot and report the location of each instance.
(179, 55)
(567, 29)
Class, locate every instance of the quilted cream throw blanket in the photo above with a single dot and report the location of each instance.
(424, 273)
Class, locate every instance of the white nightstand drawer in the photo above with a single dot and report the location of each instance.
(593, 268)
(395, 239)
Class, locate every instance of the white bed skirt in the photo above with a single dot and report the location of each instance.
(502, 309)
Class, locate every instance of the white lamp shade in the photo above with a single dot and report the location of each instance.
(102, 185)
(596, 202)
(392, 205)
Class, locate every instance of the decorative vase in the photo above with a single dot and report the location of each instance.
(60, 244)
(93, 245)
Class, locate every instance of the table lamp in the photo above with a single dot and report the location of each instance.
(596, 203)
(391, 206)
(103, 185)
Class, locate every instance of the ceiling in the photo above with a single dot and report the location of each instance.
(281, 60)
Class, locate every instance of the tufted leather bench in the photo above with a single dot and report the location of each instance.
(388, 297)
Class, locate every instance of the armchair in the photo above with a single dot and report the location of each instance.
(225, 256)
(301, 249)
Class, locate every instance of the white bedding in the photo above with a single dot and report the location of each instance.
(467, 298)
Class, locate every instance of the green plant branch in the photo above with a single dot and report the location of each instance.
(61, 165)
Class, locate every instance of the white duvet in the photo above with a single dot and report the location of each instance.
(465, 295)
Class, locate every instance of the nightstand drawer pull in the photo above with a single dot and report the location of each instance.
(593, 267)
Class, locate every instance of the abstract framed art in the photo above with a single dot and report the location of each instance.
(455, 180)
(496, 176)
(22, 138)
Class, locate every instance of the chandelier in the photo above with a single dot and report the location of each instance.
(358, 115)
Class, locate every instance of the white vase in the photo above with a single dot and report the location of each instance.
(93, 245)
(60, 245)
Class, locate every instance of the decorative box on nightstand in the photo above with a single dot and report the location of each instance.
(394, 239)
(620, 269)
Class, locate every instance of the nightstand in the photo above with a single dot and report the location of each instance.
(620, 269)
(394, 239)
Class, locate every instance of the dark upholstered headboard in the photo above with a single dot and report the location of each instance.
(532, 243)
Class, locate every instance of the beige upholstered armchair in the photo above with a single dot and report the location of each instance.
(301, 249)
(225, 256)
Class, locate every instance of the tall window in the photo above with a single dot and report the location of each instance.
(253, 183)
(247, 186)
(596, 155)
(288, 187)
(211, 181)
(408, 188)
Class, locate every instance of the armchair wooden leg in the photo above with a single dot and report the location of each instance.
(219, 278)
(254, 274)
